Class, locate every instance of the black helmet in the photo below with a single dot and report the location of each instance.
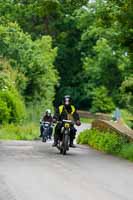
(67, 100)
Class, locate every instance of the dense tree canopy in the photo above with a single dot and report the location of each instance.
(32, 58)
(32, 61)
(105, 48)
(82, 48)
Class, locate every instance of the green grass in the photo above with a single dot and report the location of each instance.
(19, 132)
(86, 120)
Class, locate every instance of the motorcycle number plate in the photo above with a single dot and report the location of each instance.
(67, 125)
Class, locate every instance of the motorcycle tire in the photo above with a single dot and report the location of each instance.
(44, 139)
(65, 144)
(61, 151)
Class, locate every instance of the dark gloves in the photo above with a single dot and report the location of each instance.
(78, 123)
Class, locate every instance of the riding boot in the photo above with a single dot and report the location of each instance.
(71, 143)
(56, 134)
(41, 131)
(55, 141)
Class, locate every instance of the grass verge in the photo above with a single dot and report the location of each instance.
(86, 120)
(19, 132)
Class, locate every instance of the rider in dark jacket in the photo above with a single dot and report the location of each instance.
(46, 118)
(66, 111)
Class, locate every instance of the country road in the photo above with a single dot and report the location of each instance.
(36, 171)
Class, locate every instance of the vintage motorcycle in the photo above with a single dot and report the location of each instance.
(64, 140)
(46, 131)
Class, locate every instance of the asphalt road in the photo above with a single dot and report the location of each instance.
(36, 171)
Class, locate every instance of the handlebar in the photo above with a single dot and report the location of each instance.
(45, 122)
(67, 121)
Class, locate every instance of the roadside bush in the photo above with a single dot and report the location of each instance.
(108, 142)
(103, 141)
(4, 112)
(83, 137)
(11, 106)
(127, 151)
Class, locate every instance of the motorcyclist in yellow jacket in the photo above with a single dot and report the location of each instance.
(66, 111)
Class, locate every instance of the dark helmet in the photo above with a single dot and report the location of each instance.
(67, 100)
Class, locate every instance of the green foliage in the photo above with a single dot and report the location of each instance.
(101, 101)
(40, 17)
(19, 132)
(108, 142)
(68, 60)
(127, 117)
(34, 60)
(12, 107)
(127, 151)
(127, 93)
(83, 137)
(103, 141)
(5, 112)
(105, 55)
(27, 66)
(94, 50)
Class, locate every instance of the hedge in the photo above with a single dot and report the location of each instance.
(108, 142)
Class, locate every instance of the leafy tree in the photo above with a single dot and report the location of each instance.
(127, 93)
(94, 40)
(101, 101)
(106, 61)
(34, 60)
(55, 18)
(12, 107)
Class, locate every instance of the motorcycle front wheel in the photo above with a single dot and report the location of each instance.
(65, 145)
(44, 139)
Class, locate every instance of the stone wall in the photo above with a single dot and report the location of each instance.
(118, 127)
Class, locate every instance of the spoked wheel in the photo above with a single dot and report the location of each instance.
(45, 135)
(44, 138)
(65, 144)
